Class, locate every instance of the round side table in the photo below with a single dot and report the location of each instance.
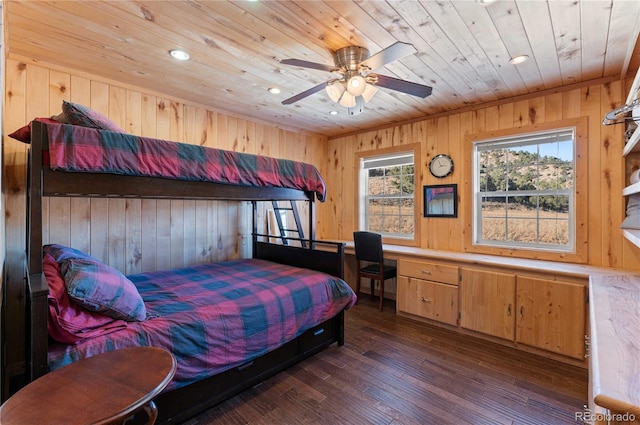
(103, 389)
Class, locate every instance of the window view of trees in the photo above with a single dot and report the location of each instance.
(390, 203)
(525, 193)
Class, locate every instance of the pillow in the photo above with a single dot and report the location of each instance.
(103, 289)
(86, 117)
(68, 322)
(61, 253)
(23, 134)
(632, 220)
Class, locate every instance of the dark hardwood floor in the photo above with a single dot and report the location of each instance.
(393, 370)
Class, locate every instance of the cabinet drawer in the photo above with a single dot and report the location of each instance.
(318, 336)
(429, 271)
(431, 300)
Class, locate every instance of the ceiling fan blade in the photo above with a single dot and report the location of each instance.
(307, 64)
(394, 52)
(414, 89)
(304, 94)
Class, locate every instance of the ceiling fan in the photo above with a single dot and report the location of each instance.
(355, 83)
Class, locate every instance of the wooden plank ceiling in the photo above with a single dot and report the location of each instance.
(463, 50)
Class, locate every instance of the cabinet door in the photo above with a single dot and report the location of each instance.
(551, 315)
(487, 302)
(432, 300)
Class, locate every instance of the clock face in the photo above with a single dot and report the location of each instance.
(441, 165)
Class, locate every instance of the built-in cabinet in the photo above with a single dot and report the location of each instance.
(551, 315)
(530, 311)
(543, 313)
(487, 302)
(428, 290)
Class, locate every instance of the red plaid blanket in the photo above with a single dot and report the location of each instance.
(83, 149)
(214, 317)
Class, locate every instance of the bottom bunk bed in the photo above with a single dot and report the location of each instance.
(230, 325)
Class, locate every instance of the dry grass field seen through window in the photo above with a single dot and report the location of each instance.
(521, 224)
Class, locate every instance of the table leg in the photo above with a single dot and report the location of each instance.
(152, 412)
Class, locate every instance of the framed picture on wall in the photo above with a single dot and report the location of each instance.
(441, 200)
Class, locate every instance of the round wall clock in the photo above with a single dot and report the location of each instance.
(441, 166)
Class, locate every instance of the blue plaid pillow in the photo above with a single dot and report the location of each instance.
(61, 252)
(97, 286)
(84, 116)
(103, 289)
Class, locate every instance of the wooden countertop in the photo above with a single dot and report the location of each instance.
(396, 252)
(615, 342)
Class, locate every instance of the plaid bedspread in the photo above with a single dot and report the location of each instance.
(73, 148)
(214, 317)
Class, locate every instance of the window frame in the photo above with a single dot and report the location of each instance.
(361, 217)
(512, 143)
(580, 201)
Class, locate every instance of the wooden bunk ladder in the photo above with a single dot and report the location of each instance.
(285, 232)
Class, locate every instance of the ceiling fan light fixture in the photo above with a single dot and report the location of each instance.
(348, 100)
(334, 91)
(356, 85)
(369, 92)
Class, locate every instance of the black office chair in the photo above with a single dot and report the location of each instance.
(370, 259)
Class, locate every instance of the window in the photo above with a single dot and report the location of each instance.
(524, 191)
(387, 204)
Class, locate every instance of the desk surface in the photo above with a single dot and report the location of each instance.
(97, 390)
(396, 252)
(615, 351)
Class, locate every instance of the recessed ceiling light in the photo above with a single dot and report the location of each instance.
(180, 55)
(486, 2)
(519, 59)
(274, 90)
(334, 112)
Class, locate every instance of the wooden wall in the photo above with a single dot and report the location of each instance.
(446, 134)
(131, 235)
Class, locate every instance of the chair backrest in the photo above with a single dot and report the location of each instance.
(368, 246)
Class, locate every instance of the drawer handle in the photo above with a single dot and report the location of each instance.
(318, 332)
(587, 346)
(425, 300)
(426, 272)
(245, 366)
(509, 310)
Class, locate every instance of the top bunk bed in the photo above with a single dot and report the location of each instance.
(155, 168)
(72, 160)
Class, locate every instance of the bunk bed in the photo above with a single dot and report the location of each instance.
(181, 402)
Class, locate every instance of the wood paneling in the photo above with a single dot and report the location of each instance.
(603, 170)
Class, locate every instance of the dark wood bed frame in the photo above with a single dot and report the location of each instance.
(177, 405)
